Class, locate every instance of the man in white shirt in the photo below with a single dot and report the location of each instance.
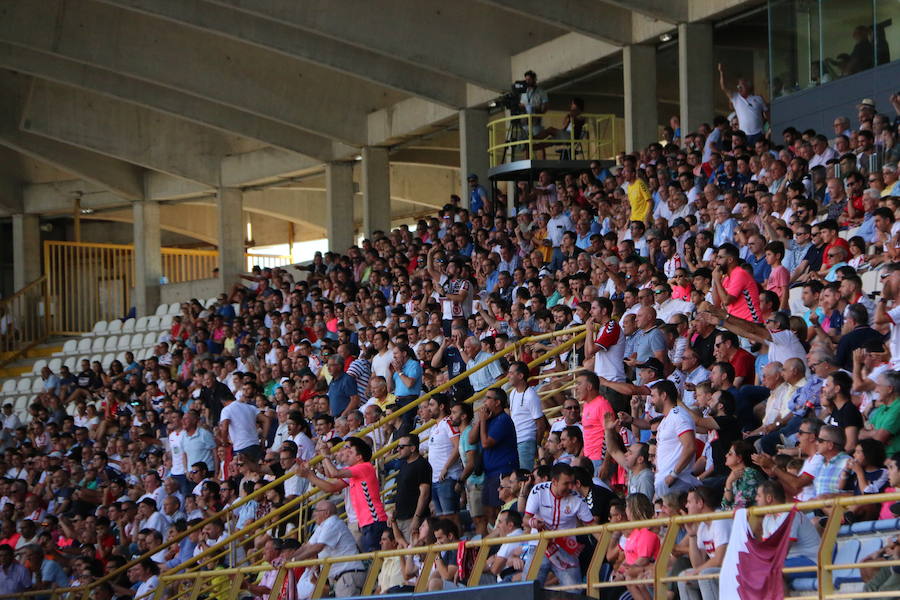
(666, 305)
(804, 538)
(443, 456)
(176, 450)
(707, 543)
(823, 152)
(237, 425)
(752, 112)
(332, 537)
(527, 414)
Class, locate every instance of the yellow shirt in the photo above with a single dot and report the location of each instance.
(639, 199)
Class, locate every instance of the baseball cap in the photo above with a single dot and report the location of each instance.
(867, 102)
(651, 363)
(681, 222)
(474, 176)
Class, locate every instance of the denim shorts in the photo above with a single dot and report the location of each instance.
(444, 497)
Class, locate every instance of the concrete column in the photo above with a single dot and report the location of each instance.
(473, 154)
(26, 234)
(641, 119)
(339, 206)
(147, 257)
(231, 236)
(697, 75)
(376, 189)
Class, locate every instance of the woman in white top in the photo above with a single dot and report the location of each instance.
(146, 573)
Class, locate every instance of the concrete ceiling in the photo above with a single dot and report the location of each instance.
(120, 100)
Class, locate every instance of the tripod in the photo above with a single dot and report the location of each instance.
(514, 133)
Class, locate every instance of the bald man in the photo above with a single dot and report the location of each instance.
(332, 537)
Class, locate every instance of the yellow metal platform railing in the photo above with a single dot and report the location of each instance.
(513, 138)
(297, 509)
(231, 580)
(24, 320)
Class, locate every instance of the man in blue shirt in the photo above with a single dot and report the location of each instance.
(47, 573)
(343, 397)
(406, 379)
(497, 434)
(478, 198)
(756, 258)
(14, 578)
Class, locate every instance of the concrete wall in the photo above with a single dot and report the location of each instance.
(179, 292)
(816, 107)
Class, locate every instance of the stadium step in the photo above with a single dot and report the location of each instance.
(25, 363)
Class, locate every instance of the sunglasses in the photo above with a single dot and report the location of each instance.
(570, 408)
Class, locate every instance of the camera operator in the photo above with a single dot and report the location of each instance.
(534, 101)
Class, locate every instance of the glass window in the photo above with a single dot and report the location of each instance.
(794, 39)
(847, 38)
(887, 31)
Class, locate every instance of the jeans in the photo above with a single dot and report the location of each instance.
(570, 576)
(371, 536)
(768, 442)
(705, 589)
(527, 451)
(444, 497)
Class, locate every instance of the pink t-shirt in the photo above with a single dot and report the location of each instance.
(594, 428)
(642, 543)
(365, 494)
(779, 280)
(742, 286)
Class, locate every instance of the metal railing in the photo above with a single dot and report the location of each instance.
(90, 282)
(24, 320)
(297, 508)
(234, 578)
(513, 138)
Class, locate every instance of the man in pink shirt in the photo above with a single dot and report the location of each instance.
(594, 407)
(361, 478)
(733, 287)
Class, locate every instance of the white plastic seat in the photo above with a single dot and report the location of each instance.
(24, 385)
(121, 358)
(210, 302)
(128, 326)
(71, 362)
(141, 324)
(95, 358)
(870, 281)
(115, 327)
(100, 328)
(38, 365)
(9, 387)
(107, 360)
(98, 344)
(54, 364)
(161, 310)
(37, 386)
(20, 405)
(174, 308)
(153, 324)
(136, 341)
(112, 342)
(84, 346)
(165, 323)
(69, 347)
(125, 342)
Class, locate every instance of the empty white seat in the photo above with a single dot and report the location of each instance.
(38, 365)
(54, 364)
(161, 310)
(100, 328)
(70, 347)
(165, 323)
(71, 362)
(115, 327)
(20, 407)
(141, 324)
(37, 386)
(84, 346)
(112, 342)
(210, 302)
(153, 324)
(121, 358)
(98, 344)
(128, 326)
(136, 341)
(125, 342)
(24, 385)
(174, 308)
(107, 360)
(870, 281)
(9, 387)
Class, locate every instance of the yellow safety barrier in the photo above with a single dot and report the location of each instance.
(24, 320)
(513, 138)
(90, 282)
(295, 508)
(235, 577)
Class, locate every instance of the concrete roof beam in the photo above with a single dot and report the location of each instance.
(610, 24)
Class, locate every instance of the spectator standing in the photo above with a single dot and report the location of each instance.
(198, 443)
(406, 379)
(497, 434)
(413, 486)
(443, 456)
(238, 427)
(596, 407)
(733, 287)
(752, 112)
(472, 478)
(343, 397)
(527, 414)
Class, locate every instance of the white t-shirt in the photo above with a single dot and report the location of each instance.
(147, 587)
(440, 446)
(178, 466)
(381, 364)
(894, 343)
(338, 541)
(811, 467)
(713, 535)
(609, 361)
(749, 112)
(306, 448)
(241, 424)
(524, 408)
(785, 345)
(805, 539)
(668, 444)
(557, 513)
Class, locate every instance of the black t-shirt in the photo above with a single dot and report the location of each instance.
(846, 416)
(87, 380)
(409, 478)
(456, 365)
(704, 347)
(814, 256)
(729, 431)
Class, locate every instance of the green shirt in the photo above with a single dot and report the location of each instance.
(888, 418)
(464, 447)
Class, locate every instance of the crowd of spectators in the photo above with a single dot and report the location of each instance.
(733, 358)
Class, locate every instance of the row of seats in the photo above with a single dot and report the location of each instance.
(97, 345)
(141, 324)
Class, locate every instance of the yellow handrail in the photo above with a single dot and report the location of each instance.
(603, 533)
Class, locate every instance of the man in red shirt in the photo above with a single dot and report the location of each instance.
(829, 231)
(733, 287)
(727, 349)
